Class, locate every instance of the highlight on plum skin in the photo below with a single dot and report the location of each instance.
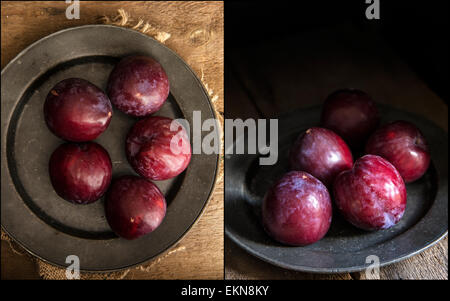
(155, 150)
(321, 153)
(138, 86)
(372, 195)
(402, 144)
(351, 114)
(134, 207)
(80, 172)
(297, 209)
(77, 110)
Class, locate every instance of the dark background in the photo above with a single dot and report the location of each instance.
(416, 30)
(284, 57)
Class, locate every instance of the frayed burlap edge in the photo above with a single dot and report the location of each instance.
(14, 247)
(51, 272)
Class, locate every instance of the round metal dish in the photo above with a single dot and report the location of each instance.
(31, 212)
(344, 248)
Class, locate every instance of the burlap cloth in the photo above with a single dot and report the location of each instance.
(48, 271)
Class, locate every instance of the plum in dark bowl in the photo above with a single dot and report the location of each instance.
(77, 110)
(297, 209)
(138, 85)
(322, 153)
(158, 148)
(80, 172)
(134, 207)
(352, 114)
(372, 195)
(402, 144)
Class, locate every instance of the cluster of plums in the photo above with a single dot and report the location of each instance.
(370, 193)
(81, 171)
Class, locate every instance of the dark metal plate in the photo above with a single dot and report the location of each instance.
(344, 248)
(31, 212)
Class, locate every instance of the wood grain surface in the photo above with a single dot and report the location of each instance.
(196, 34)
(284, 74)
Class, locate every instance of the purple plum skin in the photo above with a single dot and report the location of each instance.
(77, 110)
(297, 209)
(80, 172)
(149, 148)
(371, 196)
(321, 153)
(351, 114)
(138, 86)
(134, 207)
(402, 144)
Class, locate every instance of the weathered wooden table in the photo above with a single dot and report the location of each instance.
(282, 74)
(196, 34)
